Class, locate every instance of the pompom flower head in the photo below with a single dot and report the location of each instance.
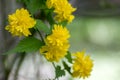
(20, 22)
(59, 36)
(82, 65)
(63, 10)
(56, 44)
(54, 53)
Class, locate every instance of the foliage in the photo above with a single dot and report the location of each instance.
(51, 18)
(42, 27)
(59, 72)
(28, 44)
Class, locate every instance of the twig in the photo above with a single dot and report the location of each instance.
(40, 35)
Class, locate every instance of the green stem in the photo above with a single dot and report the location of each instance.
(53, 64)
(40, 35)
(55, 69)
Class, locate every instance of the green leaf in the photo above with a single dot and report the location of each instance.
(59, 72)
(42, 27)
(50, 17)
(34, 5)
(29, 44)
(64, 23)
(69, 57)
(66, 67)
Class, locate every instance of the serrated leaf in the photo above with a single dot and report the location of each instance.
(42, 26)
(66, 67)
(69, 57)
(29, 44)
(59, 72)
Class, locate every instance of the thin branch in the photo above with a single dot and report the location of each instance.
(40, 35)
(53, 64)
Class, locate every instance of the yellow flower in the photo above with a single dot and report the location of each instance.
(59, 35)
(62, 9)
(56, 44)
(53, 52)
(82, 65)
(50, 3)
(20, 22)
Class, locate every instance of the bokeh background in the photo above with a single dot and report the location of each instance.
(95, 29)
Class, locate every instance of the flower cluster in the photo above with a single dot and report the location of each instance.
(63, 10)
(20, 22)
(82, 65)
(56, 44)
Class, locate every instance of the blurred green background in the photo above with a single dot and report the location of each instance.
(100, 37)
(95, 33)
